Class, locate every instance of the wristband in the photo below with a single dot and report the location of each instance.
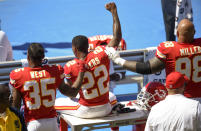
(119, 61)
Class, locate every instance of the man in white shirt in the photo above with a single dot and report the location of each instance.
(176, 112)
(6, 53)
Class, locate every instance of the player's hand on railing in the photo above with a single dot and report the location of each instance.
(114, 55)
(111, 52)
(111, 7)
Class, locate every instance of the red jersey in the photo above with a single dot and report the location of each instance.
(184, 58)
(97, 40)
(37, 87)
(95, 86)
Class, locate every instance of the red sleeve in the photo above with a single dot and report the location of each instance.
(60, 73)
(123, 44)
(67, 70)
(163, 49)
(15, 75)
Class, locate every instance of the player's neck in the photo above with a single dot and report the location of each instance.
(82, 56)
(35, 65)
(185, 40)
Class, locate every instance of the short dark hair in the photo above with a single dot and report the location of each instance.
(3, 88)
(81, 43)
(36, 52)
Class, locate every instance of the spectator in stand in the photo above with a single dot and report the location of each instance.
(175, 112)
(6, 53)
(173, 12)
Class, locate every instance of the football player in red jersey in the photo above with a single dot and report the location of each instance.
(183, 56)
(98, 40)
(37, 85)
(94, 94)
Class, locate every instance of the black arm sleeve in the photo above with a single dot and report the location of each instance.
(143, 68)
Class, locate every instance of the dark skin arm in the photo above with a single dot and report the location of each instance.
(155, 65)
(116, 25)
(16, 97)
(72, 90)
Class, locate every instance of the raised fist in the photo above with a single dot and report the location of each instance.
(111, 7)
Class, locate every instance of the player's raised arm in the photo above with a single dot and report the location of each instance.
(116, 25)
(72, 90)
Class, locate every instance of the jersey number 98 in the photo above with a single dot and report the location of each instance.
(190, 67)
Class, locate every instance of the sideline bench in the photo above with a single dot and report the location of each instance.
(112, 120)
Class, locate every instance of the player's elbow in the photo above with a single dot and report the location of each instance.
(70, 92)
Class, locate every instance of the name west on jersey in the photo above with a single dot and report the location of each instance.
(37, 74)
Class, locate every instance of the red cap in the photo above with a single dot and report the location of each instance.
(176, 80)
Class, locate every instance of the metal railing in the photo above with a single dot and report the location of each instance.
(8, 66)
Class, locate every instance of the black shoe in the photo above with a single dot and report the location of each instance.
(126, 110)
(120, 108)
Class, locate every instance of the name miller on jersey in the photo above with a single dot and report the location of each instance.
(190, 51)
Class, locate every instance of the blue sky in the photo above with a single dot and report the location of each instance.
(60, 20)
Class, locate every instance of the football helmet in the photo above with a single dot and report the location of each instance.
(149, 95)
